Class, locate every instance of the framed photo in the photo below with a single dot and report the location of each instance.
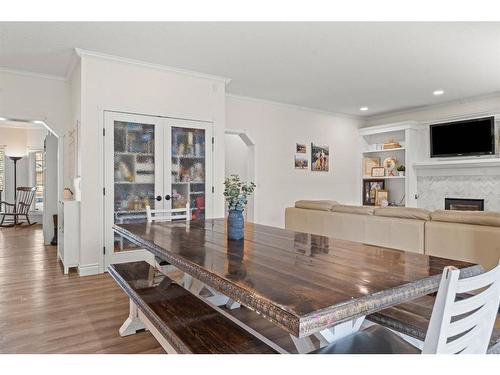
(370, 188)
(300, 148)
(378, 172)
(368, 164)
(301, 161)
(381, 195)
(320, 156)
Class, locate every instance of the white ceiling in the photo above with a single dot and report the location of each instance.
(336, 67)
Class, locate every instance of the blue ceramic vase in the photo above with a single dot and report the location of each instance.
(235, 225)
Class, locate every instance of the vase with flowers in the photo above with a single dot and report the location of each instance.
(236, 193)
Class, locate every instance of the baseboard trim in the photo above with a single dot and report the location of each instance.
(88, 269)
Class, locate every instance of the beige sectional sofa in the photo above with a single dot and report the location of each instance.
(468, 236)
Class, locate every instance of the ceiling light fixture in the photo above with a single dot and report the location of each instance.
(363, 109)
(438, 92)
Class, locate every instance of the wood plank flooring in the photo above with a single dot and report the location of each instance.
(44, 311)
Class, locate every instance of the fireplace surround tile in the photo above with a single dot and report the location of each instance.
(432, 190)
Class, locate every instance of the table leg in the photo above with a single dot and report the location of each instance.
(196, 286)
(133, 323)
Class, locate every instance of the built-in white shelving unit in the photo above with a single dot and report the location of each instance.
(402, 189)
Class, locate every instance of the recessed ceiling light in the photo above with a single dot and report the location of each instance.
(438, 92)
(363, 109)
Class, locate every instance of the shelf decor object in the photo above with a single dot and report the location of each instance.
(401, 170)
(378, 172)
(391, 144)
(390, 165)
(381, 198)
(370, 188)
(236, 193)
(368, 164)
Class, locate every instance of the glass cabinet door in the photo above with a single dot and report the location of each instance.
(134, 174)
(133, 178)
(188, 170)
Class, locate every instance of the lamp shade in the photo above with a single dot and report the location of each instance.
(16, 150)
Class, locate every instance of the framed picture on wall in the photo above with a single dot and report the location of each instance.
(370, 188)
(301, 161)
(320, 158)
(301, 148)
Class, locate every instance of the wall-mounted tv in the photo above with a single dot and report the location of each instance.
(463, 138)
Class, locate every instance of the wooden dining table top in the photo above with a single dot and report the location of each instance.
(302, 282)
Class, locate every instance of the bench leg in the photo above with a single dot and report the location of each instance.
(303, 345)
(133, 323)
(327, 336)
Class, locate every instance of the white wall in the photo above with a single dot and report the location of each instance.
(70, 147)
(35, 98)
(276, 128)
(112, 85)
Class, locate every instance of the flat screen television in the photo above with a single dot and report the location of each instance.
(463, 138)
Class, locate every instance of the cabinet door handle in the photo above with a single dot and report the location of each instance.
(158, 198)
(167, 197)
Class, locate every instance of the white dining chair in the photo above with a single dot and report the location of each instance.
(457, 326)
(463, 325)
(168, 214)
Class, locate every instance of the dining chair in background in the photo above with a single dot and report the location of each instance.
(168, 214)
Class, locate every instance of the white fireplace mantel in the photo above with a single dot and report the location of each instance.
(462, 167)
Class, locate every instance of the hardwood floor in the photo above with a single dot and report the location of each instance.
(44, 311)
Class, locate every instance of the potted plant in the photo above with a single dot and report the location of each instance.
(401, 170)
(236, 193)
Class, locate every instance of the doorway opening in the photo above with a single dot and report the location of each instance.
(240, 160)
(29, 176)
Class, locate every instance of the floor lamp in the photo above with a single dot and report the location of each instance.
(15, 159)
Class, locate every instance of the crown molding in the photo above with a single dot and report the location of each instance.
(425, 108)
(294, 106)
(85, 53)
(31, 74)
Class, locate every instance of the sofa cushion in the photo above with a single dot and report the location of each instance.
(321, 205)
(403, 213)
(467, 217)
(359, 210)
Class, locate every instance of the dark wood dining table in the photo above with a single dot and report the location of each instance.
(303, 283)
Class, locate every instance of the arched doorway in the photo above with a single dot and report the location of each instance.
(240, 160)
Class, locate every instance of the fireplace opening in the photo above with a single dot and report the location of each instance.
(461, 204)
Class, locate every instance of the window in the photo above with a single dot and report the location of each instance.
(39, 168)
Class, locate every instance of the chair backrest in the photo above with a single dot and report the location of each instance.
(24, 199)
(463, 325)
(168, 214)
